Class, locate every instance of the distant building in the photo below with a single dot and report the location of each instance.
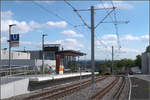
(14, 55)
(136, 70)
(53, 58)
(146, 61)
(30, 59)
(49, 52)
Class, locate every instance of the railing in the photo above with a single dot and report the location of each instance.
(15, 71)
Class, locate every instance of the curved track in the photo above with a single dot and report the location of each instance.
(116, 96)
(59, 92)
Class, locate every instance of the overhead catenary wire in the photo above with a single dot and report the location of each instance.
(108, 53)
(104, 18)
(61, 18)
(115, 23)
(56, 15)
(51, 13)
(116, 26)
(75, 10)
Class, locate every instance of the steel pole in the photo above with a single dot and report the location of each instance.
(92, 44)
(0, 44)
(43, 53)
(9, 49)
(112, 59)
(149, 38)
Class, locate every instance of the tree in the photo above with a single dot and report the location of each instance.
(126, 63)
(138, 61)
(103, 65)
(73, 66)
(118, 64)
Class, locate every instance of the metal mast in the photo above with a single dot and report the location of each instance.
(92, 43)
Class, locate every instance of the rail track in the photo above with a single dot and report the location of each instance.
(99, 95)
(119, 91)
(59, 92)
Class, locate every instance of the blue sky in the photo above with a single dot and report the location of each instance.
(32, 21)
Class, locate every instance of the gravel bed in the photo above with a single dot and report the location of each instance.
(45, 86)
(85, 94)
(125, 92)
(109, 95)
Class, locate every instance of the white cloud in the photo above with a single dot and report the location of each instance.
(6, 15)
(71, 33)
(26, 43)
(34, 25)
(71, 44)
(118, 4)
(104, 48)
(106, 42)
(130, 37)
(109, 40)
(122, 50)
(145, 37)
(36, 44)
(127, 50)
(42, 1)
(23, 26)
(67, 44)
(109, 36)
(61, 24)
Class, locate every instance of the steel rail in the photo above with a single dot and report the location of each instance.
(119, 91)
(62, 91)
(50, 91)
(105, 90)
(70, 90)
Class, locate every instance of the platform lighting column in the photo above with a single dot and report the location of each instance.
(10, 26)
(0, 44)
(112, 60)
(79, 65)
(43, 52)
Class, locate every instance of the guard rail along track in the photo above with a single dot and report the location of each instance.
(62, 91)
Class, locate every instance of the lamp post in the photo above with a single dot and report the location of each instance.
(10, 47)
(0, 44)
(43, 52)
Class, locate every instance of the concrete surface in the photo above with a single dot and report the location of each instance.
(54, 77)
(13, 88)
(143, 77)
(140, 89)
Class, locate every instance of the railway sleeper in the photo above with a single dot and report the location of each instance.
(105, 90)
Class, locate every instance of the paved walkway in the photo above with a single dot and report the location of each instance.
(5, 80)
(140, 89)
(143, 77)
(59, 76)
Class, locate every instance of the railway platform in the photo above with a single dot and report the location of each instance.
(40, 78)
(11, 84)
